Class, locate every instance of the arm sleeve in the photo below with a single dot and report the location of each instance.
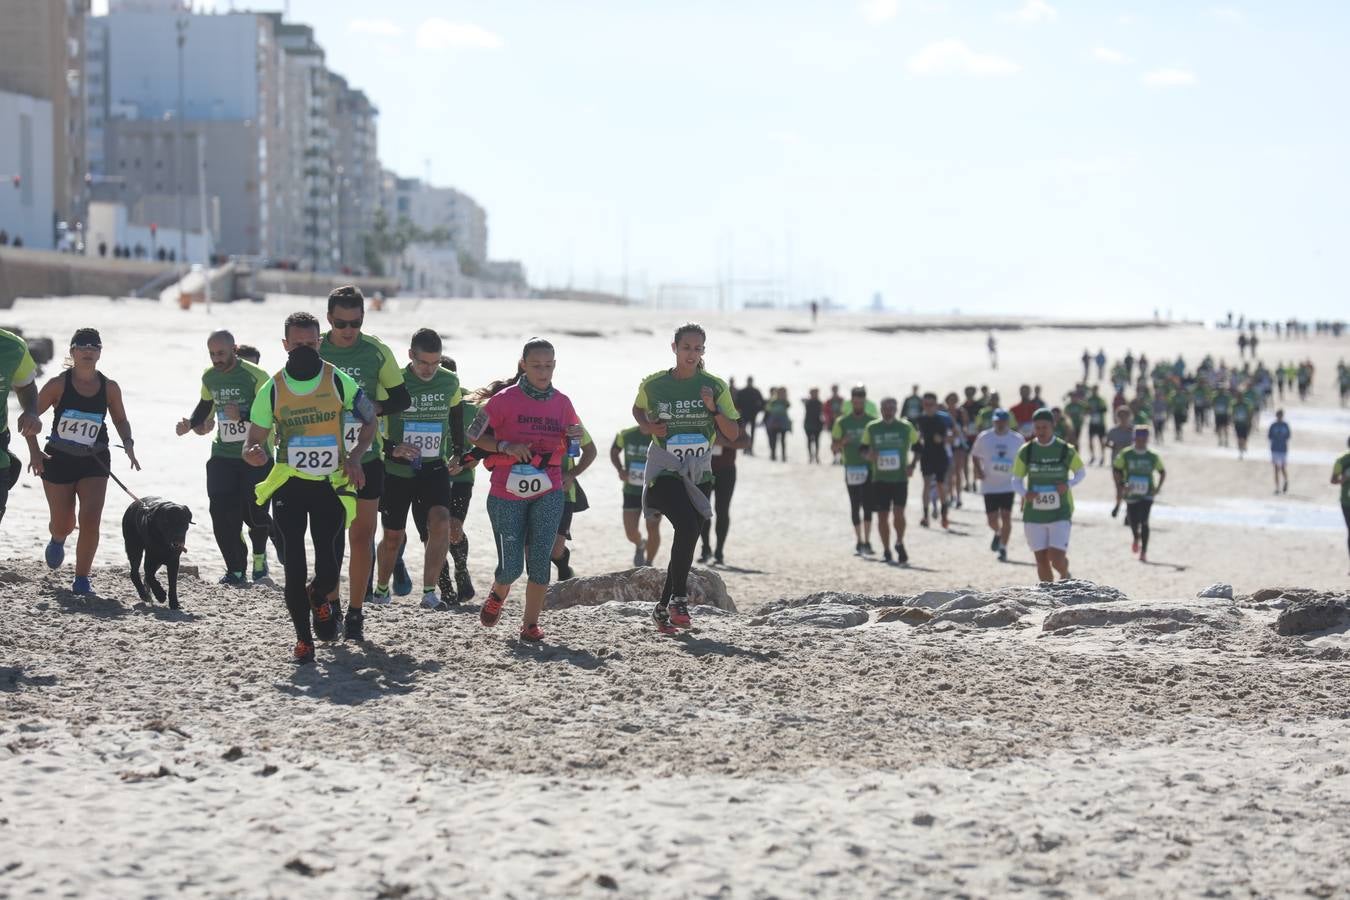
(261, 412)
(201, 412)
(1076, 471)
(398, 398)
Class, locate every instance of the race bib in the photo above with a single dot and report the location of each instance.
(351, 431)
(79, 427)
(229, 431)
(1001, 467)
(1046, 501)
(687, 445)
(1138, 485)
(313, 455)
(855, 475)
(526, 482)
(1097, 418)
(637, 474)
(888, 461)
(425, 436)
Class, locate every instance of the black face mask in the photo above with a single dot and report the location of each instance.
(303, 363)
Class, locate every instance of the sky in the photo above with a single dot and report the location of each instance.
(1002, 157)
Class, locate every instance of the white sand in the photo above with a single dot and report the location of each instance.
(444, 760)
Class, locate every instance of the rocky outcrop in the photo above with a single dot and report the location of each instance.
(1147, 615)
(1314, 614)
(824, 615)
(909, 615)
(706, 588)
(1217, 591)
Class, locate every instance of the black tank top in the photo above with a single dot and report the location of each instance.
(80, 423)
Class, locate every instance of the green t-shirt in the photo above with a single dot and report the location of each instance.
(1137, 469)
(634, 445)
(466, 474)
(372, 366)
(17, 369)
(1096, 410)
(1223, 403)
(1342, 468)
(690, 428)
(239, 385)
(569, 463)
(891, 443)
(849, 429)
(1180, 402)
(427, 422)
(909, 409)
(1242, 412)
(1045, 466)
(1076, 410)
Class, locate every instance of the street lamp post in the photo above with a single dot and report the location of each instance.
(181, 25)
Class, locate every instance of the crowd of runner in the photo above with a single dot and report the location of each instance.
(328, 457)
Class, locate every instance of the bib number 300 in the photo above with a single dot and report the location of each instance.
(526, 482)
(688, 445)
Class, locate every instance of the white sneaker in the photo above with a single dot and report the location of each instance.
(379, 598)
(432, 600)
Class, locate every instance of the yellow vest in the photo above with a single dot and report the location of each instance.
(311, 423)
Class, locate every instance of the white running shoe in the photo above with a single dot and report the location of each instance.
(432, 600)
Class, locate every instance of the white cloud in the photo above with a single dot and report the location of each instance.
(442, 34)
(1107, 55)
(376, 27)
(878, 11)
(1169, 78)
(953, 57)
(1034, 12)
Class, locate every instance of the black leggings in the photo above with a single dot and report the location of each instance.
(1345, 509)
(668, 495)
(777, 442)
(229, 487)
(723, 487)
(813, 446)
(301, 504)
(1136, 516)
(10, 477)
(860, 499)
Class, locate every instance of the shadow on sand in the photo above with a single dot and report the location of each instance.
(555, 653)
(349, 675)
(13, 678)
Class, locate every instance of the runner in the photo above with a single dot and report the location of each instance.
(314, 481)
(574, 501)
(1122, 435)
(376, 372)
(886, 444)
(248, 352)
(847, 440)
(1101, 364)
(971, 408)
(777, 422)
(526, 424)
(75, 464)
(994, 452)
(751, 403)
(683, 408)
(18, 373)
(1180, 401)
(935, 434)
(1096, 413)
(1044, 473)
(228, 389)
(1223, 407)
(629, 456)
(724, 486)
(813, 423)
(1076, 411)
(1025, 408)
(1340, 474)
(1133, 471)
(1087, 363)
(1278, 434)
(1243, 412)
(993, 350)
(913, 405)
(957, 479)
(421, 441)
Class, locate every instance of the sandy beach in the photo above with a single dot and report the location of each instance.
(1118, 737)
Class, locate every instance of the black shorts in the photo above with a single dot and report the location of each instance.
(936, 466)
(1220, 420)
(888, 493)
(374, 480)
(1242, 429)
(632, 501)
(63, 468)
(428, 488)
(998, 502)
(232, 477)
(565, 523)
(1096, 431)
(461, 492)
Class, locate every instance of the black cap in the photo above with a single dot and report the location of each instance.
(87, 337)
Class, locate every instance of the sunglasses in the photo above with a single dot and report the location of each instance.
(347, 323)
(86, 346)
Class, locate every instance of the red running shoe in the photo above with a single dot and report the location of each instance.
(532, 632)
(679, 613)
(492, 610)
(303, 653)
(1134, 548)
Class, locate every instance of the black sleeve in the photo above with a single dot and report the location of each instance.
(201, 412)
(457, 427)
(398, 400)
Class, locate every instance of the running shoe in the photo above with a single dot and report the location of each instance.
(402, 580)
(532, 632)
(679, 613)
(432, 600)
(1134, 548)
(639, 557)
(354, 625)
(81, 585)
(886, 555)
(923, 523)
(380, 597)
(55, 554)
(233, 579)
(1143, 557)
(717, 558)
(706, 555)
(463, 587)
(944, 517)
(260, 571)
(857, 549)
(993, 545)
(661, 616)
(565, 571)
(901, 556)
(303, 653)
(867, 548)
(1002, 553)
(325, 618)
(491, 611)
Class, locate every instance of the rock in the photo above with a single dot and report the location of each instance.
(965, 601)
(1149, 615)
(843, 598)
(999, 614)
(910, 615)
(1315, 614)
(934, 599)
(1217, 591)
(829, 615)
(706, 588)
(1265, 595)
(1076, 591)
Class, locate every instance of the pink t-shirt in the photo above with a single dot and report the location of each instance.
(542, 424)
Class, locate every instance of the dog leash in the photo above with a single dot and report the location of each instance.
(114, 477)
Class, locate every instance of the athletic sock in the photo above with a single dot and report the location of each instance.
(429, 589)
(259, 560)
(382, 588)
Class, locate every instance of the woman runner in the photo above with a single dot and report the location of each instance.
(74, 466)
(683, 409)
(525, 423)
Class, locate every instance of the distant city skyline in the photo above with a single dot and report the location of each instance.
(996, 157)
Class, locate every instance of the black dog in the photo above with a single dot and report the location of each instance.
(156, 529)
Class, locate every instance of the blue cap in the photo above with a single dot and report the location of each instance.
(1001, 415)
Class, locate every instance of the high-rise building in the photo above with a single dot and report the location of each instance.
(357, 168)
(42, 55)
(432, 208)
(306, 108)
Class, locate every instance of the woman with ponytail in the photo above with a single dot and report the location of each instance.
(524, 424)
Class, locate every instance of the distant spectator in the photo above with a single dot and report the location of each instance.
(102, 248)
(18, 241)
(4, 237)
(159, 254)
(173, 255)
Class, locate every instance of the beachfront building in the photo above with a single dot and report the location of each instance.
(27, 167)
(356, 170)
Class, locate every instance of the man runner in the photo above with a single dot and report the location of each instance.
(1096, 413)
(628, 454)
(1044, 473)
(847, 440)
(935, 434)
(886, 444)
(994, 452)
(228, 389)
(1278, 434)
(1340, 474)
(1133, 470)
(18, 372)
